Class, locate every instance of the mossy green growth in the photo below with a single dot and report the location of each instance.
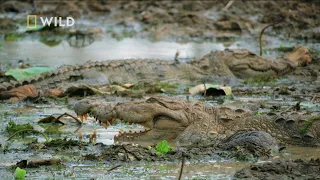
(260, 80)
(20, 173)
(64, 143)
(167, 87)
(27, 72)
(163, 147)
(285, 49)
(256, 113)
(13, 37)
(308, 124)
(12, 127)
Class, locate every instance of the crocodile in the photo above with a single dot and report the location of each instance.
(239, 63)
(190, 123)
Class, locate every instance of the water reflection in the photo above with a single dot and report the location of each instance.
(80, 40)
(106, 49)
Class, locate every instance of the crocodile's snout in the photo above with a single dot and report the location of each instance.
(101, 110)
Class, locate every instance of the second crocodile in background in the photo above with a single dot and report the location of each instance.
(239, 63)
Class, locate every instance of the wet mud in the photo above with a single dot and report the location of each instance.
(161, 30)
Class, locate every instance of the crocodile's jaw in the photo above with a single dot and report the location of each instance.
(256, 66)
(159, 122)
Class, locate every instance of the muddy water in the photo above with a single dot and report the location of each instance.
(38, 53)
(106, 48)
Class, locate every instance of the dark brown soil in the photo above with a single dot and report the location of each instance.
(189, 19)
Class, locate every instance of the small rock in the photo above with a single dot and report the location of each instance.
(131, 157)
(121, 156)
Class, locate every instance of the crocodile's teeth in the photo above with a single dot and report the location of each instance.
(83, 117)
(111, 122)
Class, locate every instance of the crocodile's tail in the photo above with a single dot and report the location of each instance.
(65, 74)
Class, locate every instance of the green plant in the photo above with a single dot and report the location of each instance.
(308, 124)
(20, 173)
(12, 127)
(163, 147)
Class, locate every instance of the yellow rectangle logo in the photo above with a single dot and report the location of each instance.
(28, 21)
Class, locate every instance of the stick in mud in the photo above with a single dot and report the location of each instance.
(182, 165)
(67, 114)
(113, 168)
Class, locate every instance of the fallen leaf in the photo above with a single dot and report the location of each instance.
(19, 93)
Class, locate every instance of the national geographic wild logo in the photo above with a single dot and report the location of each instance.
(32, 21)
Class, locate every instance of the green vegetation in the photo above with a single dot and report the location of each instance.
(27, 72)
(307, 125)
(13, 37)
(12, 127)
(20, 173)
(258, 113)
(285, 49)
(163, 147)
(260, 80)
(166, 87)
(63, 143)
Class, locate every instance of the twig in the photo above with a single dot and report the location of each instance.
(24, 130)
(67, 114)
(182, 165)
(77, 129)
(176, 57)
(113, 168)
(228, 5)
(261, 33)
